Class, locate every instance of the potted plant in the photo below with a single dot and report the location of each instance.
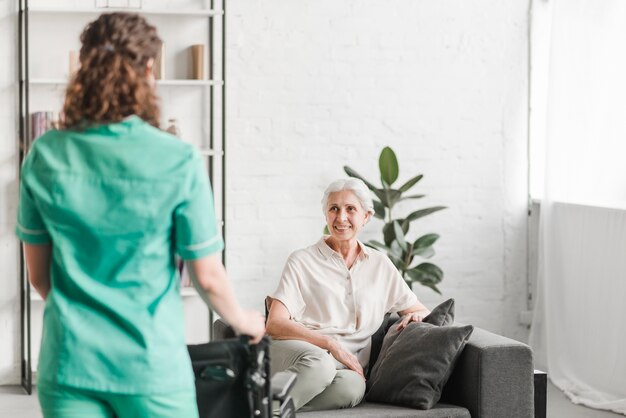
(404, 254)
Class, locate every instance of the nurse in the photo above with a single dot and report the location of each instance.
(105, 204)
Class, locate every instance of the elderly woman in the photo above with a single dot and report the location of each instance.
(331, 299)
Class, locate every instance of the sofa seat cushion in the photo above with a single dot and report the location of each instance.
(377, 410)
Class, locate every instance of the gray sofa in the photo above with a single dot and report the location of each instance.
(493, 378)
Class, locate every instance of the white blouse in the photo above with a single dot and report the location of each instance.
(323, 295)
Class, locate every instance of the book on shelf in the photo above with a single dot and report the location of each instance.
(40, 123)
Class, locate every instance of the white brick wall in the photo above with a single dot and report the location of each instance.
(315, 85)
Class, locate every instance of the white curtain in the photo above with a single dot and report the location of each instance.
(579, 325)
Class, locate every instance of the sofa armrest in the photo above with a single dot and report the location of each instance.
(222, 331)
(493, 378)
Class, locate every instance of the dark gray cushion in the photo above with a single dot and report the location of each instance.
(442, 314)
(377, 342)
(415, 363)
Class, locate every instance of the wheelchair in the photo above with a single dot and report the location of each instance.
(233, 380)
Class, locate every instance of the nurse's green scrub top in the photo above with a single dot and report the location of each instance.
(116, 202)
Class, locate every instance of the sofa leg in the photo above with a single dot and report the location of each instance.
(541, 393)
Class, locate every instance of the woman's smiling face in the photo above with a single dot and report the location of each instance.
(344, 215)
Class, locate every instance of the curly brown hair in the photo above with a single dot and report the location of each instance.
(113, 81)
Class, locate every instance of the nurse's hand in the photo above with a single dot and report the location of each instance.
(209, 277)
(252, 324)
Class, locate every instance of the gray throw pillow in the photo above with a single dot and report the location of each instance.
(416, 364)
(442, 314)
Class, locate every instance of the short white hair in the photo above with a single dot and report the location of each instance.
(356, 186)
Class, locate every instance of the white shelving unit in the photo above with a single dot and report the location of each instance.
(187, 292)
(143, 11)
(197, 105)
(190, 83)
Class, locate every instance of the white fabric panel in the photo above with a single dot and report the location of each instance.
(582, 127)
(579, 332)
(579, 326)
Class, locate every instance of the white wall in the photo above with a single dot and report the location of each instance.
(9, 290)
(317, 84)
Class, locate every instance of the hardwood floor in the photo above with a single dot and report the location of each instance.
(14, 403)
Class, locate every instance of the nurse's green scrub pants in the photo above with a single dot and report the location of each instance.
(67, 402)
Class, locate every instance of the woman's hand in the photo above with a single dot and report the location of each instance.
(345, 357)
(281, 327)
(408, 318)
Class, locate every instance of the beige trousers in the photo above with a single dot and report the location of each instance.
(319, 385)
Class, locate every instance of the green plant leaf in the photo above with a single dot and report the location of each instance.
(414, 196)
(415, 275)
(426, 273)
(425, 252)
(326, 231)
(388, 197)
(388, 234)
(397, 229)
(388, 164)
(406, 186)
(424, 278)
(423, 212)
(380, 193)
(396, 251)
(432, 269)
(396, 262)
(353, 173)
(392, 196)
(378, 245)
(379, 209)
(408, 256)
(434, 287)
(426, 240)
(406, 224)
